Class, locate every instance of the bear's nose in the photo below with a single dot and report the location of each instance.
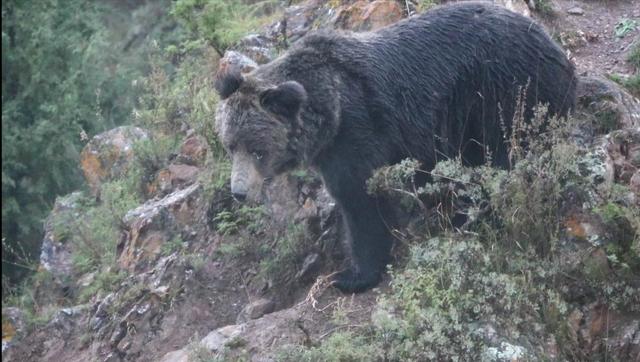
(239, 196)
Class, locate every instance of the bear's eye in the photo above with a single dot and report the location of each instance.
(258, 155)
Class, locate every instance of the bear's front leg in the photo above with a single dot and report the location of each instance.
(368, 237)
(369, 243)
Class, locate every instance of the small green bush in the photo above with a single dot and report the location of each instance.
(246, 217)
(222, 22)
(625, 27)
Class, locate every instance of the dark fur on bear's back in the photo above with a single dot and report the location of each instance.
(431, 87)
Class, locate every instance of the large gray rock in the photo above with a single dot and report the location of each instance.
(612, 106)
(259, 338)
(151, 225)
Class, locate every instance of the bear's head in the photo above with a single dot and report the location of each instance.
(256, 121)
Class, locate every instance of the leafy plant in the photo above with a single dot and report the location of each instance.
(624, 27)
(246, 217)
(220, 22)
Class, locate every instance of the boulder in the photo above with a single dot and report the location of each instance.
(612, 106)
(108, 155)
(56, 253)
(151, 225)
(258, 337)
(365, 16)
(518, 6)
(173, 177)
(256, 309)
(259, 47)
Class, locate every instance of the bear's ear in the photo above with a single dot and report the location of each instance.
(230, 70)
(284, 100)
(227, 83)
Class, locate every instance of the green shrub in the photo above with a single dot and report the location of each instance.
(424, 5)
(444, 297)
(64, 74)
(625, 27)
(338, 347)
(246, 218)
(96, 234)
(506, 271)
(221, 22)
(178, 95)
(104, 281)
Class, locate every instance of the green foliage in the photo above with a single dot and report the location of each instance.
(26, 297)
(172, 245)
(445, 295)
(441, 307)
(220, 22)
(97, 232)
(104, 281)
(624, 27)
(246, 217)
(545, 7)
(277, 257)
(631, 83)
(506, 271)
(150, 156)
(177, 91)
(66, 72)
(178, 94)
(425, 5)
(338, 347)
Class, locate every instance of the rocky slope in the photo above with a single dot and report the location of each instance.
(195, 276)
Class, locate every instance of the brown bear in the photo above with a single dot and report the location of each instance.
(438, 85)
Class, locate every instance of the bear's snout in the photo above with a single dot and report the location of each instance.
(245, 179)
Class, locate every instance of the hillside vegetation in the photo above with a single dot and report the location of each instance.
(123, 243)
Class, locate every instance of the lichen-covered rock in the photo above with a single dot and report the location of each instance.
(174, 176)
(523, 7)
(300, 18)
(13, 326)
(365, 16)
(611, 105)
(259, 47)
(258, 338)
(154, 223)
(301, 200)
(55, 254)
(615, 159)
(256, 309)
(109, 154)
(45, 343)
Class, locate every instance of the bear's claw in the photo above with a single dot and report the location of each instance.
(350, 281)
